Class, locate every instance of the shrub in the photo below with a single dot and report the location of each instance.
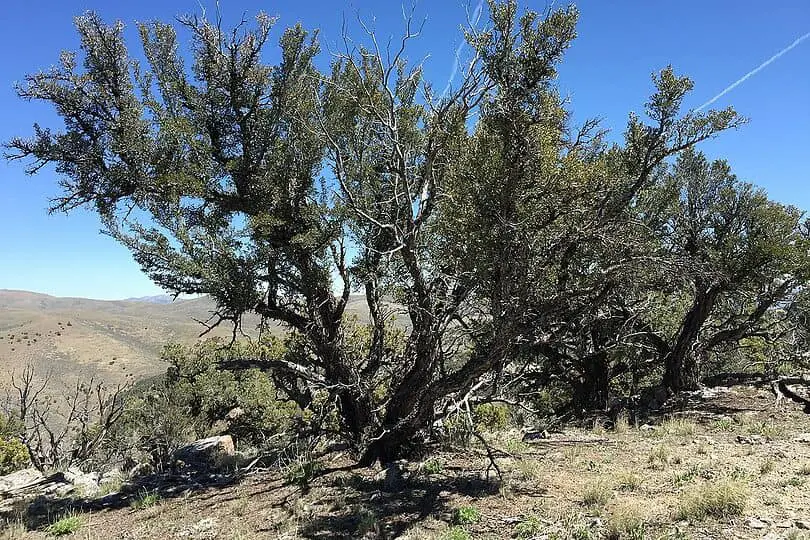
(456, 533)
(629, 481)
(13, 455)
(626, 522)
(466, 515)
(682, 427)
(457, 430)
(302, 473)
(433, 466)
(659, 457)
(491, 416)
(195, 398)
(529, 528)
(718, 500)
(724, 424)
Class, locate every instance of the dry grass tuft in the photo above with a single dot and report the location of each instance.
(597, 494)
(720, 500)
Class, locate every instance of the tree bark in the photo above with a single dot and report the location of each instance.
(682, 371)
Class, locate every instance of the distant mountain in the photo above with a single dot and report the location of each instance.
(157, 299)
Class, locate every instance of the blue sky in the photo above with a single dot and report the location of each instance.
(606, 73)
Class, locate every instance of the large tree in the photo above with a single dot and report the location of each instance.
(482, 212)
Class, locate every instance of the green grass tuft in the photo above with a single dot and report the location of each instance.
(67, 525)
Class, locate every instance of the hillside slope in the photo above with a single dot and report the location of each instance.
(78, 337)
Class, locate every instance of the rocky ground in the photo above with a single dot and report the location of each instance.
(724, 464)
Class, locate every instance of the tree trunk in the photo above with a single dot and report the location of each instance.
(592, 390)
(682, 371)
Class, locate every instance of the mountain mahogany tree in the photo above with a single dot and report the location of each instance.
(278, 190)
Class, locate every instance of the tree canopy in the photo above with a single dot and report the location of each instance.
(519, 250)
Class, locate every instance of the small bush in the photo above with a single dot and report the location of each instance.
(529, 528)
(433, 466)
(804, 470)
(456, 533)
(719, 500)
(491, 417)
(688, 475)
(13, 455)
(466, 515)
(625, 523)
(302, 473)
(66, 525)
(659, 457)
(766, 429)
(622, 424)
(457, 430)
(724, 424)
(681, 427)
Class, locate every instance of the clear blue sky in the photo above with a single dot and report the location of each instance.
(606, 74)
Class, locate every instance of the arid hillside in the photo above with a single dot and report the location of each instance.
(80, 337)
(114, 340)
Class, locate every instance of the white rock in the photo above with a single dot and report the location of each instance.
(754, 523)
(20, 479)
(86, 483)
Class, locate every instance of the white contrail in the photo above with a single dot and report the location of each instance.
(754, 71)
(460, 48)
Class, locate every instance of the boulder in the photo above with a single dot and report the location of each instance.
(208, 452)
(86, 483)
(20, 480)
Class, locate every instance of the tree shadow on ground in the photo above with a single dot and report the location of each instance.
(42, 510)
(374, 505)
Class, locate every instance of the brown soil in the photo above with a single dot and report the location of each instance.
(584, 483)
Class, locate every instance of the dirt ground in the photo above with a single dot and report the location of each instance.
(731, 466)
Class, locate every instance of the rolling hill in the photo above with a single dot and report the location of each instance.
(71, 338)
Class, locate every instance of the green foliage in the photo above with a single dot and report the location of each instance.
(210, 392)
(491, 416)
(301, 473)
(466, 515)
(13, 452)
(146, 499)
(66, 525)
(456, 533)
(433, 466)
(515, 242)
(195, 398)
(528, 528)
(13, 455)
